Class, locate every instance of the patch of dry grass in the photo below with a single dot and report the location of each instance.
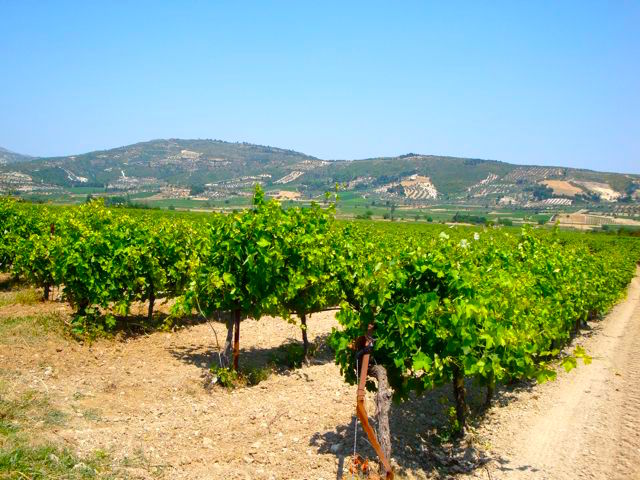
(31, 327)
(26, 296)
(27, 451)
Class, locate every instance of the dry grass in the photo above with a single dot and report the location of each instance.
(30, 449)
(27, 296)
(25, 450)
(31, 328)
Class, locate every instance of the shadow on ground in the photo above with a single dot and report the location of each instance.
(422, 437)
(133, 326)
(9, 282)
(280, 359)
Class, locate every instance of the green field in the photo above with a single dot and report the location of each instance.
(351, 205)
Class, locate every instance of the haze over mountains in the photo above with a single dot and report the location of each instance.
(220, 168)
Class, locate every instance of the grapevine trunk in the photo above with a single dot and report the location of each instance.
(459, 395)
(383, 406)
(152, 300)
(236, 340)
(225, 358)
(491, 386)
(305, 338)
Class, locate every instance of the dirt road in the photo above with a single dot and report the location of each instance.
(585, 425)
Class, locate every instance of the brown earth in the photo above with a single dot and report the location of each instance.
(587, 221)
(286, 195)
(562, 187)
(144, 396)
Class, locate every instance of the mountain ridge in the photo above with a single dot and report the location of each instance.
(221, 168)
(8, 156)
(400, 156)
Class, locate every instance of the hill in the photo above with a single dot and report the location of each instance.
(159, 162)
(218, 169)
(7, 156)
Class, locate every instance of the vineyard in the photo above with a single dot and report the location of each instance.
(421, 306)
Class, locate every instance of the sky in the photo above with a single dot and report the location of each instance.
(547, 83)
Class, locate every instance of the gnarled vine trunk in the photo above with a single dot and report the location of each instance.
(383, 406)
(225, 356)
(459, 396)
(305, 338)
(81, 307)
(236, 340)
(152, 300)
(491, 387)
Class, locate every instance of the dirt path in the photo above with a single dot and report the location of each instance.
(586, 424)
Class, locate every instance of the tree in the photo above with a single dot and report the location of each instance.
(196, 190)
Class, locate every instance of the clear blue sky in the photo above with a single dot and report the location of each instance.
(544, 82)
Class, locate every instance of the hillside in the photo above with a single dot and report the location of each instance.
(179, 162)
(7, 156)
(217, 169)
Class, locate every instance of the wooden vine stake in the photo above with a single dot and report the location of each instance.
(361, 411)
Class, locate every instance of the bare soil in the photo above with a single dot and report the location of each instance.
(562, 187)
(144, 396)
